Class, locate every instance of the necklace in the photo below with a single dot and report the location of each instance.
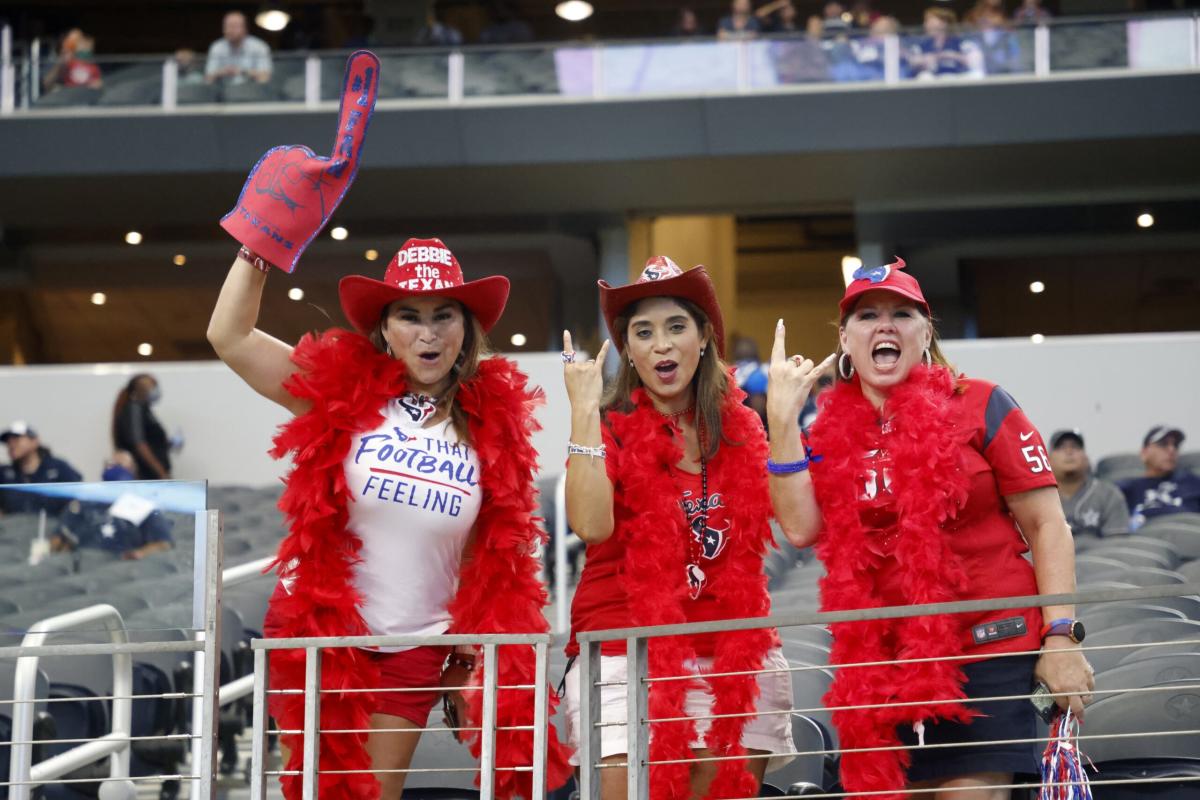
(697, 530)
(419, 407)
(674, 415)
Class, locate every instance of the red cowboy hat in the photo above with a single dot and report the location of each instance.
(662, 277)
(422, 267)
(889, 278)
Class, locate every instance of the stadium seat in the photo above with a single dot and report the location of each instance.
(1103, 617)
(1151, 670)
(1184, 534)
(1190, 461)
(1134, 556)
(1147, 576)
(808, 690)
(814, 634)
(1157, 630)
(1138, 542)
(250, 600)
(41, 691)
(67, 96)
(1176, 708)
(805, 652)
(803, 774)
(250, 92)
(1090, 566)
(139, 92)
(1141, 654)
(195, 93)
(1121, 462)
(34, 596)
(1191, 571)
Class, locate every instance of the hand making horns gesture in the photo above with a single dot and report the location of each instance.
(585, 380)
(790, 379)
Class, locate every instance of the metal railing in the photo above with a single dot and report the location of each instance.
(312, 691)
(637, 682)
(617, 69)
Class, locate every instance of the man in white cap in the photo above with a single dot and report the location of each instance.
(1166, 488)
(30, 463)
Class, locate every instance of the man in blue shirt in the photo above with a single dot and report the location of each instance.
(1166, 488)
(131, 528)
(31, 463)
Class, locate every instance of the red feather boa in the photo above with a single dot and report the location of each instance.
(655, 556)
(929, 485)
(347, 382)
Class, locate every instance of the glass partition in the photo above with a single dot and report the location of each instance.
(135, 545)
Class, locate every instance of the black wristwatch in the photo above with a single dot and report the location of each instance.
(1071, 628)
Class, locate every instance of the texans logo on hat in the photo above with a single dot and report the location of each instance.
(888, 277)
(421, 267)
(662, 277)
(874, 275)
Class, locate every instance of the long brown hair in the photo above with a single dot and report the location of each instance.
(935, 350)
(710, 383)
(123, 398)
(475, 348)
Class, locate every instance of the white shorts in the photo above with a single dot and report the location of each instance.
(771, 733)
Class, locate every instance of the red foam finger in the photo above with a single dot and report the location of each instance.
(359, 92)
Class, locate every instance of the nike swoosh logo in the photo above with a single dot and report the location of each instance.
(1024, 437)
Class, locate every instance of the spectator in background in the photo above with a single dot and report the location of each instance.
(940, 52)
(1030, 12)
(981, 8)
(1000, 49)
(869, 51)
(507, 27)
(30, 462)
(136, 429)
(778, 16)
(835, 18)
(750, 374)
(687, 25)
(740, 24)
(130, 529)
(435, 33)
(237, 57)
(1092, 506)
(119, 467)
(76, 65)
(808, 415)
(863, 15)
(1167, 488)
(188, 66)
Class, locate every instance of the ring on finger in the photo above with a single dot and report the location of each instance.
(568, 358)
(798, 359)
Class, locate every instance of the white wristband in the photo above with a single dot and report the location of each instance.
(579, 450)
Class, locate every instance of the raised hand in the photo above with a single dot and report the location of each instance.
(585, 380)
(790, 380)
(291, 192)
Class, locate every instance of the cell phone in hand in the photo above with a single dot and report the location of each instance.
(1042, 702)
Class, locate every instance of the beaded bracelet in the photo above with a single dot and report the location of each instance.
(791, 467)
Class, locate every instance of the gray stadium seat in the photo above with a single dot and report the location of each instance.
(250, 600)
(805, 652)
(1103, 617)
(1191, 571)
(1091, 566)
(1159, 630)
(1120, 462)
(139, 92)
(814, 634)
(1174, 709)
(1190, 461)
(66, 96)
(250, 92)
(1186, 518)
(1138, 542)
(1184, 534)
(808, 688)
(33, 596)
(1085, 543)
(1147, 576)
(1135, 557)
(802, 771)
(194, 93)
(1143, 653)
(1162, 668)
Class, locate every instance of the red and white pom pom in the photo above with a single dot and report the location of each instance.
(1063, 774)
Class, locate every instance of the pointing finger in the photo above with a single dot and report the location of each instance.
(825, 365)
(567, 346)
(358, 102)
(779, 348)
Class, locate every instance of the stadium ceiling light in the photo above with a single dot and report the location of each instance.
(145, 349)
(1037, 287)
(99, 298)
(1037, 338)
(574, 10)
(133, 237)
(339, 233)
(371, 254)
(179, 260)
(295, 293)
(518, 340)
(849, 265)
(272, 18)
(1145, 220)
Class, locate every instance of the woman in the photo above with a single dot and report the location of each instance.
(405, 426)
(137, 430)
(939, 52)
(664, 483)
(928, 488)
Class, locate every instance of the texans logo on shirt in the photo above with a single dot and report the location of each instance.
(418, 406)
(876, 476)
(712, 540)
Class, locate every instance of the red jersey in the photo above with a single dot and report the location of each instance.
(1003, 454)
(600, 598)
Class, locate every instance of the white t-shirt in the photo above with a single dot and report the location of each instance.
(416, 495)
